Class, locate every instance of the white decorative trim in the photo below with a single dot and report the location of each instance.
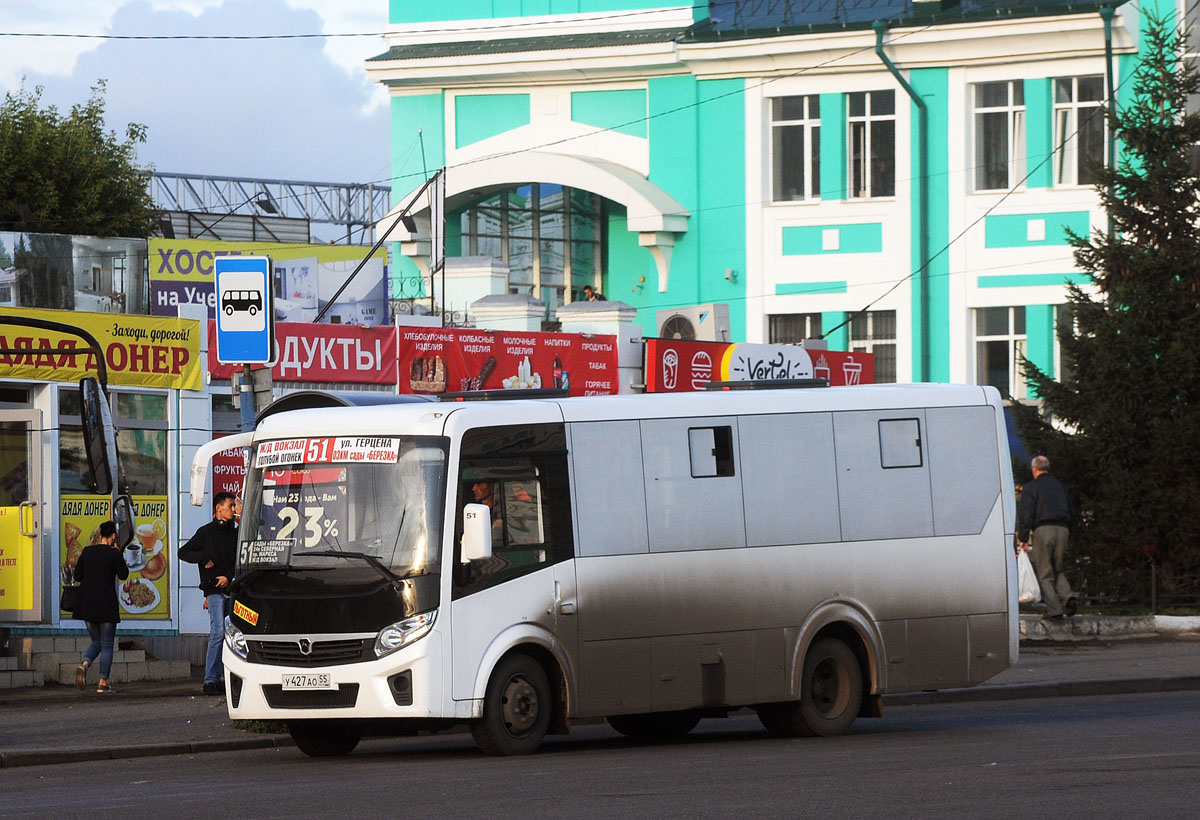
(661, 245)
(541, 25)
(650, 211)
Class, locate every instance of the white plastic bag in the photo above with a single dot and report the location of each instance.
(1028, 591)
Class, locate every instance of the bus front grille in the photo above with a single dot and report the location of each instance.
(320, 653)
(344, 697)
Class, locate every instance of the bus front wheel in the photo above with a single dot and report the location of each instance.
(323, 738)
(516, 709)
(830, 695)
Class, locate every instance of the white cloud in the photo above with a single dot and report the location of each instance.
(261, 108)
(57, 56)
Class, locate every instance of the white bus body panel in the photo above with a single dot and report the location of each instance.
(688, 593)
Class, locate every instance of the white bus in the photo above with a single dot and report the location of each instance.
(650, 560)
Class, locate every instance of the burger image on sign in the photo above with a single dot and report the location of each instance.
(701, 370)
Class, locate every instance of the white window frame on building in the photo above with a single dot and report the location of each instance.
(1191, 57)
(544, 239)
(1000, 335)
(874, 332)
(999, 134)
(793, 328)
(1079, 128)
(871, 144)
(795, 148)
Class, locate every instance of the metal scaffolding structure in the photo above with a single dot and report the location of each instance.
(356, 206)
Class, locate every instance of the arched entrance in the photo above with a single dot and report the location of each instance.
(654, 215)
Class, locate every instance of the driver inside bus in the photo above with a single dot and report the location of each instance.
(484, 492)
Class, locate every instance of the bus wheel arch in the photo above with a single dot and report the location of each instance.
(835, 675)
(519, 704)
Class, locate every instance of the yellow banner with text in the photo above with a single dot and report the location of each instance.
(141, 351)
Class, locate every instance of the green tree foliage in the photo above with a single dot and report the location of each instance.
(1126, 433)
(73, 175)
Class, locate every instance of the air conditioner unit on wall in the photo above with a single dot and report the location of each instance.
(702, 323)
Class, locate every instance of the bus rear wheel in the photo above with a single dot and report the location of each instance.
(656, 725)
(516, 709)
(323, 738)
(831, 692)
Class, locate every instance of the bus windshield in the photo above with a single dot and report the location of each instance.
(374, 496)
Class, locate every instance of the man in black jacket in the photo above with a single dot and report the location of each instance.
(1045, 509)
(214, 549)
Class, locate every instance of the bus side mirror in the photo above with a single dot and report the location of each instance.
(477, 533)
(99, 436)
(125, 519)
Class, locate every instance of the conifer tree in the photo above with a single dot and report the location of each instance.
(1123, 426)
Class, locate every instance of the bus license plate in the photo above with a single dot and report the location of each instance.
(317, 680)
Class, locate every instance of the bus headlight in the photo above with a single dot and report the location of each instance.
(403, 633)
(235, 639)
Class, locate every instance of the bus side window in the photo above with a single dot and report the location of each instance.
(524, 517)
(521, 473)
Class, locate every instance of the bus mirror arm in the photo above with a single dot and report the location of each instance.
(203, 456)
(477, 533)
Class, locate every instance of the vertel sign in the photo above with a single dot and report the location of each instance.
(139, 351)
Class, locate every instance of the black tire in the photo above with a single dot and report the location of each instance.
(323, 738)
(253, 310)
(831, 692)
(655, 725)
(516, 709)
(229, 310)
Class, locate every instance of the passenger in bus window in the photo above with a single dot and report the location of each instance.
(484, 492)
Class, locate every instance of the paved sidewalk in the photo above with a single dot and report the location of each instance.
(57, 724)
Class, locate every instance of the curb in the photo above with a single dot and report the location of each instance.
(1032, 629)
(1015, 691)
(48, 757)
(1064, 689)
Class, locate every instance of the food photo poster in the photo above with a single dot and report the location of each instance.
(146, 594)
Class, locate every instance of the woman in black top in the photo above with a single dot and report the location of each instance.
(97, 572)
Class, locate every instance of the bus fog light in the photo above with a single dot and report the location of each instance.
(235, 639)
(403, 633)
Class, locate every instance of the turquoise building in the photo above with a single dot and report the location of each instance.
(896, 176)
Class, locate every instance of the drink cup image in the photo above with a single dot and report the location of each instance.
(133, 554)
(146, 536)
(852, 372)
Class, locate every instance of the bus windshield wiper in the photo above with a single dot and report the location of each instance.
(377, 565)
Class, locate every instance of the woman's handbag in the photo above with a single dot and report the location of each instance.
(69, 599)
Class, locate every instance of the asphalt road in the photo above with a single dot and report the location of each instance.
(1096, 757)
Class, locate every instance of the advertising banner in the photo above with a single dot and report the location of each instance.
(440, 360)
(229, 471)
(303, 279)
(323, 353)
(140, 351)
(62, 272)
(146, 594)
(16, 559)
(678, 366)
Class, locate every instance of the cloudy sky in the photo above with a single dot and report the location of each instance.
(280, 109)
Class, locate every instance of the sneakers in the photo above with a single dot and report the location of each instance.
(1071, 607)
(80, 676)
(213, 688)
(105, 688)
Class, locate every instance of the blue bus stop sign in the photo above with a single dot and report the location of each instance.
(245, 310)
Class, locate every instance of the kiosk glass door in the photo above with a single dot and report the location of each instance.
(21, 558)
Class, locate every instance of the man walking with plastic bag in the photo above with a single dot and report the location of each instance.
(1044, 516)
